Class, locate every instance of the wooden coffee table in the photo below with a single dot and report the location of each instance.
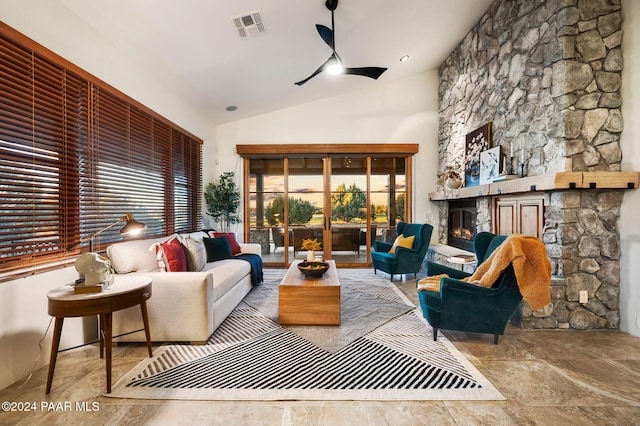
(309, 301)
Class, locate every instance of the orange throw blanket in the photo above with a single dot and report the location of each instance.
(431, 283)
(530, 264)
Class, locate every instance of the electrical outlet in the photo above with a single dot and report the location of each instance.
(584, 296)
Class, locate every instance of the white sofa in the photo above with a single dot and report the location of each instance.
(184, 306)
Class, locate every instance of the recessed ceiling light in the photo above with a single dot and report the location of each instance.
(231, 108)
(405, 58)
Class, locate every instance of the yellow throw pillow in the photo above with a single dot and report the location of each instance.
(402, 241)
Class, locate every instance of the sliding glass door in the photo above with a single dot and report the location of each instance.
(306, 205)
(349, 208)
(265, 189)
(344, 202)
(389, 195)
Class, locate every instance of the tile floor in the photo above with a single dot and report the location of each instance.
(548, 378)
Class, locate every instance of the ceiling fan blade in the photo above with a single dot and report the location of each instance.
(329, 37)
(371, 72)
(326, 34)
(316, 72)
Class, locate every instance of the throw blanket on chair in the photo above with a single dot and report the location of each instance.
(431, 283)
(530, 264)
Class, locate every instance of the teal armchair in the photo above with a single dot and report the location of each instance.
(471, 308)
(404, 260)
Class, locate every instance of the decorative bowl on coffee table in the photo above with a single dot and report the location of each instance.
(313, 269)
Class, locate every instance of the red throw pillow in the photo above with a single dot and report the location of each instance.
(231, 236)
(176, 260)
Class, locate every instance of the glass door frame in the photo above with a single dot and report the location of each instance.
(327, 152)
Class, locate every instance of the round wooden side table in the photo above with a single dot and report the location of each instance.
(123, 293)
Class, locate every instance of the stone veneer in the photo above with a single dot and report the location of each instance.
(548, 75)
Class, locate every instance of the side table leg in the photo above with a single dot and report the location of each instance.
(55, 343)
(107, 343)
(101, 334)
(145, 321)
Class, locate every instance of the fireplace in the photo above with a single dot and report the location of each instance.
(462, 223)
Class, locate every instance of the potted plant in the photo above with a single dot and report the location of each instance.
(311, 246)
(223, 200)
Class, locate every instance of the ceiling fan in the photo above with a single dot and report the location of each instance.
(333, 65)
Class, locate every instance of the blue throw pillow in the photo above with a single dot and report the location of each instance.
(217, 248)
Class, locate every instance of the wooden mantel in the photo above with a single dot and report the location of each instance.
(548, 182)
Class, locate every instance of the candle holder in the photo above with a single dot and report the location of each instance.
(521, 169)
(512, 165)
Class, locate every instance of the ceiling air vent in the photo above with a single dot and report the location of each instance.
(249, 24)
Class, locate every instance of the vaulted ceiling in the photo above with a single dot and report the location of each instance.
(194, 46)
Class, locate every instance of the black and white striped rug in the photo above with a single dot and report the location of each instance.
(381, 351)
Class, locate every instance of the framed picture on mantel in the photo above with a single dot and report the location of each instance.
(477, 141)
(490, 161)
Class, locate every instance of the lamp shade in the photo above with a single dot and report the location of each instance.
(132, 226)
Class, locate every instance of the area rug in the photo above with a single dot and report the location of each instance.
(383, 350)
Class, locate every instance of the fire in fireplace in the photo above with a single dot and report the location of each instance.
(462, 223)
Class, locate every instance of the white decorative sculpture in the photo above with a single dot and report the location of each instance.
(94, 267)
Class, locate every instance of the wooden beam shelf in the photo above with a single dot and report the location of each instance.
(548, 182)
(613, 180)
(464, 192)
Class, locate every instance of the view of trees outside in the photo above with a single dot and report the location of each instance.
(400, 207)
(348, 205)
(348, 197)
(300, 211)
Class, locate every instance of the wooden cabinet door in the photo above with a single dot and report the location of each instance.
(506, 216)
(531, 217)
(519, 215)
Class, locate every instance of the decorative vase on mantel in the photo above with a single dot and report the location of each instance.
(453, 183)
(311, 255)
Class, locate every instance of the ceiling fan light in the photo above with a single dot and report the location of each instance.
(334, 67)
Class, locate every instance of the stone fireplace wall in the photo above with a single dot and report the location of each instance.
(548, 75)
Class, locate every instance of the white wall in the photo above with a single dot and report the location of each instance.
(23, 302)
(629, 223)
(401, 111)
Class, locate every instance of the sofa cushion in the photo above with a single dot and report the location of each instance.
(195, 252)
(233, 243)
(173, 256)
(134, 256)
(198, 235)
(217, 248)
(226, 274)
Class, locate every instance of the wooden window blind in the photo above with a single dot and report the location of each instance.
(76, 155)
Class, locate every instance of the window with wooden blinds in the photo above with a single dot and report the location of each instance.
(76, 155)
